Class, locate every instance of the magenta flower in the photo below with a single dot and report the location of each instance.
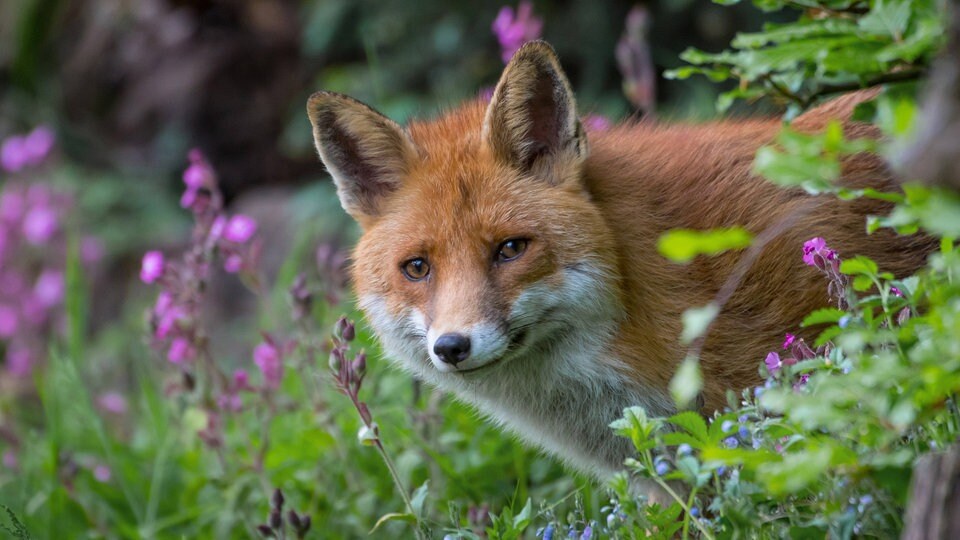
(267, 357)
(896, 292)
(91, 249)
(816, 253)
(788, 340)
(233, 263)
(10, 459)
(512, 32)
(151, 268)
(241, 380)
(38, 144)
(102, 473)
(49, 288)
(112, 402)
(180, 351)
(9, 321)
(773, 362)
(239, 229)
(13, 154)
(19, 360)
(12, 206)
(40, 224)
(596, 122)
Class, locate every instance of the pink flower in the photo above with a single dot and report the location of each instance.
(166, 314)
(267, 357)
(49, 288)
(112, 402)
(19, 360)
(180, 351)
(11, 206)
(233, 263)
(39, 225)
(10, 459)
(512, 32)
(596, 122)
(773, 362)
(13, 154)
(788, 340)
(816, 253)
(240, 228)
(196, 176)
(9, 321)
(896, 292)
(241, 380)
(38, 144)
(230, 402)
(152, 267)
(91, 249)
(102, 473)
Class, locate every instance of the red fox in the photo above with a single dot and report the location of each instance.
(510, 258)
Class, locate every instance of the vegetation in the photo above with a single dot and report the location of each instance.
(288, 424)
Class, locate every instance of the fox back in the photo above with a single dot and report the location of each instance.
(509, 257)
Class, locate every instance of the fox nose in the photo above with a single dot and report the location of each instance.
(452, 348)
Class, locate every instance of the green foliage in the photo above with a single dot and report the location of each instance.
(833, 47)
(682, 245)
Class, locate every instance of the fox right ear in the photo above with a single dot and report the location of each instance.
(366, 153)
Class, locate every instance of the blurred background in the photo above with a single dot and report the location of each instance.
(133, 84)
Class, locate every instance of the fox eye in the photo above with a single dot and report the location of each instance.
(511, 249)
(415, 269)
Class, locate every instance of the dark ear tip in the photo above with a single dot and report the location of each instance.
(321, 98)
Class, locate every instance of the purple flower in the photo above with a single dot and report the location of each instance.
(112, 402)
(241, 380)
(19, 360)
(587, 533)
(512, 32)
(13, 154)
(661, 468)
(102, 473)
(694, 511)
(684, 450)
(636, 62)
(267, 357)
(239, 229)
(233, 263)
(773, 363)
(38, 144)
(596, 122)
(10, 459)
(731, 442)
(49, 288)
(788, 340)
(816, 253)
(40, 224)
(152, 267)
(91, 249)
(12, 206)
(896, 292)
(180, 351)
(9, 321)
(196, 176)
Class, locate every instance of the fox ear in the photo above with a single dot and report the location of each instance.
(532, 117)
(366, 153)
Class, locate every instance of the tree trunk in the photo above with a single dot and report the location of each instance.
(934, 508)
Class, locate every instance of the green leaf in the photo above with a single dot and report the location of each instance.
(687, 383)
(697, 320)
(862, 283)
(393, 516)
(823, 316)
(692, 423)
(522, 520)
(887, 17)
(419, 498)
(682, 245)
(859, 265)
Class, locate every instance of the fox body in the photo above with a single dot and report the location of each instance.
(509, 257)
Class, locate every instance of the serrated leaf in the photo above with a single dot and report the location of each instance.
(887, 17)
(692, 423)
(862, 283)
(859, 265)
(823, 316)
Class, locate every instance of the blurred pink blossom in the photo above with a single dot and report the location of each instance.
(12, 205)
(13, 154)
(9, 321)
(240, 228)
(267, 357)
(151, 268)
(40, 224)
(19, 360)
(596, 122)
(10, 460)
(513, 31)
(38, 144)
(112, 402)
(180, 351)
(635, 61)
(49, 288)
(102, 473)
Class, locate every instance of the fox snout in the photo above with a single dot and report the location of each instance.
(466, 349)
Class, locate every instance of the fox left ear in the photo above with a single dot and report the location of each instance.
(531, 121)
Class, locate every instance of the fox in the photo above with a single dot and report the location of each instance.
(509, 257)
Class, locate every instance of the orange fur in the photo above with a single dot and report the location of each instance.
(523, 168)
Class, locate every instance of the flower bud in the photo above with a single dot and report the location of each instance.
(359, 365)
(336, 359)
(294, 520)
(339, 327)
(276, 520)
(349, 332)
(277, 500)
(265, 530)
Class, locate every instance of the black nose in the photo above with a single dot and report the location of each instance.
(452, 348)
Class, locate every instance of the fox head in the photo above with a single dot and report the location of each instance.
(480, 243)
